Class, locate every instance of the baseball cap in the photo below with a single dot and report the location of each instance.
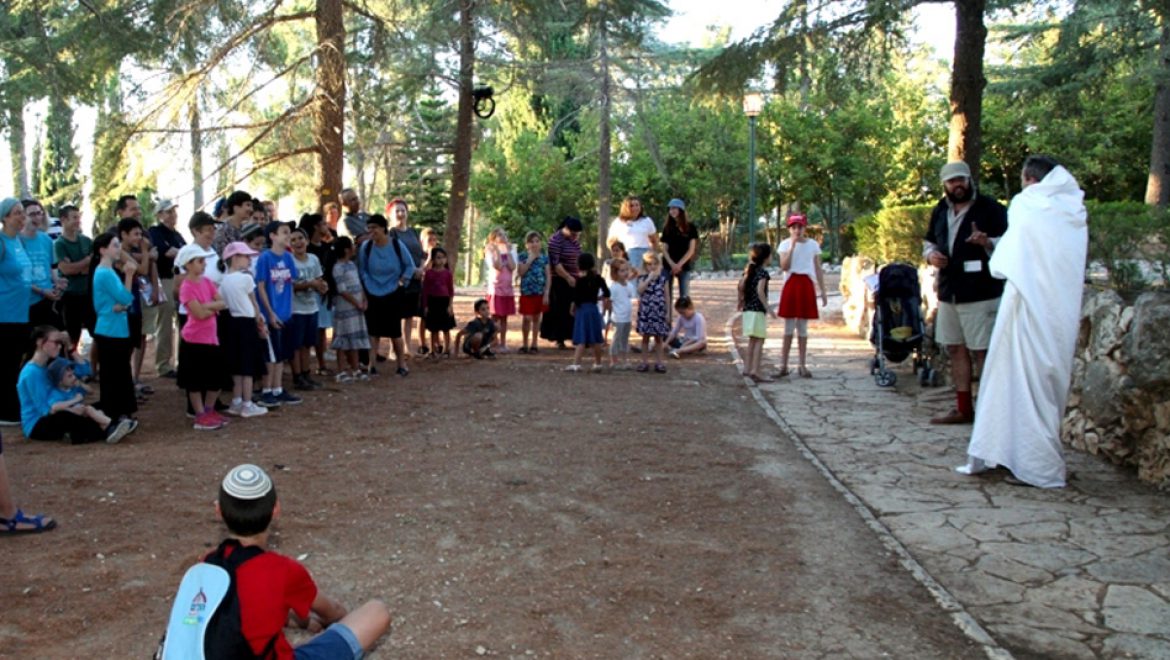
(797, 219)
(954, 170)
(676, 204)
(57, 369)
(165, 205)
(192, 251)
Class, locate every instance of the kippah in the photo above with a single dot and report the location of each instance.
(247, 482)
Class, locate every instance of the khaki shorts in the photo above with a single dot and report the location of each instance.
(755, 324)
(966, 324)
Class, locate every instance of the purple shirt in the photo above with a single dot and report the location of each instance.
(564, 251)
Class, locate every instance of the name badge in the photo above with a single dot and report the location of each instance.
(972, 266)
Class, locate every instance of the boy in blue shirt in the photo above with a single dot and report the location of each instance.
(275, 272)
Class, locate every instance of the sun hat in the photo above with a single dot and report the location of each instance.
(6, 206)
(192, 251)
(57, 369)
(797, 219)
(954, 170)
(676, 203)
(247, 482)
(237, 247)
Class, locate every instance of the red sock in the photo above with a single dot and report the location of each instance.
(966, 407)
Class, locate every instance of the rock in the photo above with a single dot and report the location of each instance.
(1135, 610)
(1101, 393)
(1105, 331)
(1147, 345)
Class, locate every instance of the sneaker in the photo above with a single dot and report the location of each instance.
(675, 355)
(220, 418)
(207, 422)
(344, 377)
(487, 353)
(268, 400)
(133, 424)
(596, 368)
(403, 371)
(286, 397)
(172, 374)
(310, 382)
(361, 375)
(236, 409)
(300, 385)
(249, 409)
(190, 411)
(372, 371)
(573, 367)
(9, 422)
(117, 430)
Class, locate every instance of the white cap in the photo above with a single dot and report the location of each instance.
(192, 251)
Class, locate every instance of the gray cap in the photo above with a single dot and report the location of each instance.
(165, 205)
(954, 171)
(247, 482)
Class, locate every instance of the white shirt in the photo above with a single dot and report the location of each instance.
(634, 235)
(621, 297)
(236, 288)
(803, 256)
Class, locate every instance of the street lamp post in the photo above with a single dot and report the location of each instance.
(753, 104)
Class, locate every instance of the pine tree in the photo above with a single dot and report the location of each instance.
(58, 180)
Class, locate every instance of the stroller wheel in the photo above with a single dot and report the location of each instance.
(886, 378)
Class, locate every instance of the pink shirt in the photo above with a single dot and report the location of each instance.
(195, 330)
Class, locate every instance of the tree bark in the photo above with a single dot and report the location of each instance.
(196, 152)
(965, 141)
(16, 147)
(1158, 185)
(604, 178)
(329, 104)
(461, 165)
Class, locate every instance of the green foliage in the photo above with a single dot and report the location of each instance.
(894, 233)
(1123, 235)
(58, 178)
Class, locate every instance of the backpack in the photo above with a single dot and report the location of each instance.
(205, 617)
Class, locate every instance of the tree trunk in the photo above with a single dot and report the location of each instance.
(604, 179)
(461, 165)
(329, 104)
(196, 153)
(16, 147)
(965, 142)
(1158, 186)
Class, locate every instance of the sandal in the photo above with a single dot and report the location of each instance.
(762, 379)
(781, 373)
(403, 371)
(804, 373)
(643, 368)
(533, 349)
(523, 350)
(660, 368)
(10, 526)
(326, 372)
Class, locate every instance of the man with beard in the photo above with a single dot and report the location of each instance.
(964, 228)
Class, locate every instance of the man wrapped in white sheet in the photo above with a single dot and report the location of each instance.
(1026, 377)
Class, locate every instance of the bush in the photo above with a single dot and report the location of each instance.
(1127, 236)
(893, 233)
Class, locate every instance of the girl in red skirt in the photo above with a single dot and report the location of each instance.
(800, 259)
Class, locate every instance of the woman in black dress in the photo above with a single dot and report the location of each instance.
(563, 250)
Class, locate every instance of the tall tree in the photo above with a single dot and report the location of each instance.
(59, 181)
(329, 99)
(1158, 187)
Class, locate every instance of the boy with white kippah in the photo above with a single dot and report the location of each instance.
(270, 585)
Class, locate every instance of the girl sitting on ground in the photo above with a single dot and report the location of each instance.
(689, 334)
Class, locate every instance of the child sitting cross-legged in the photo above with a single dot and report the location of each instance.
(475, 339)
(689, 334)
(275, 590)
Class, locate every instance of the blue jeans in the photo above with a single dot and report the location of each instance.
(636, 258)
(337, 642)
(684, 284)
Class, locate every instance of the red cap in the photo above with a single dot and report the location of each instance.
(797, 219)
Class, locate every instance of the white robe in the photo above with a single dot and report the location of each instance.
(1024, 388)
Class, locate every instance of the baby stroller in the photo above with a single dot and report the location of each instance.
(898, 329)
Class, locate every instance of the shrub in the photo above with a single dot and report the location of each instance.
(893, 233)
(1126, 236)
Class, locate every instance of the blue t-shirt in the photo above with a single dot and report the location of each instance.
(15, 280)
(532, 284)
(381, 269)
(58, 395)
(41, 258)
(276, 275)
(107, 292)
(34, 389)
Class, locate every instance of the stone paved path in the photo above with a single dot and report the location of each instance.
(1081, 572)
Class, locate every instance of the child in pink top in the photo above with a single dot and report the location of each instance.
(200, 363)
(438, 301)
(501, 263)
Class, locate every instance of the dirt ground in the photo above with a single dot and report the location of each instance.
(501, 508)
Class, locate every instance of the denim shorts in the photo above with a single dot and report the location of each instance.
(337, 642)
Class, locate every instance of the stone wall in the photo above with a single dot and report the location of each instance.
(1119, 404)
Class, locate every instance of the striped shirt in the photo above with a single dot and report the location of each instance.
(564, 251)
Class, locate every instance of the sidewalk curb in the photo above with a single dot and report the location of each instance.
(961, 617)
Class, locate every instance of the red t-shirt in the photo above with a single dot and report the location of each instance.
(268, 586)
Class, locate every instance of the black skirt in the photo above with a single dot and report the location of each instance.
(244, 352)
(438, 317)
(200, 367)
(383, 317)
(557, 322)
